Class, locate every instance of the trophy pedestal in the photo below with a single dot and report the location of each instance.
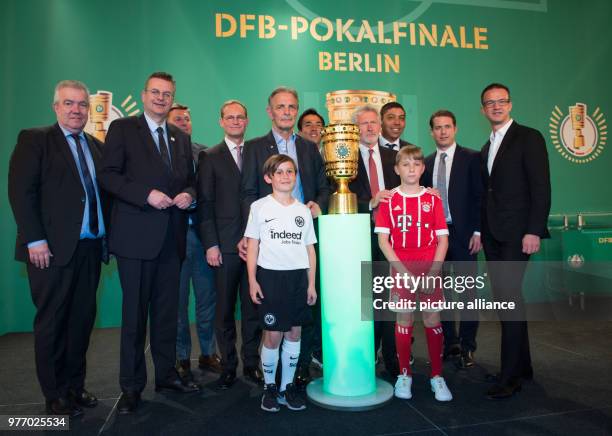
(343, 203)
(349, 377)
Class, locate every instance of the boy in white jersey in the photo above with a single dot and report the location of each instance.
(412, 230)
(281, 265)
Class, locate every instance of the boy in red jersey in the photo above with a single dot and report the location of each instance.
(412, 230)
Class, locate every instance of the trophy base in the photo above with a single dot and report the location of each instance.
(342, 203)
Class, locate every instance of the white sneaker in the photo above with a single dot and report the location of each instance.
(403, 386)
(439, 388)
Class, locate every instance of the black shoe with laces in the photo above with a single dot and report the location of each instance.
(269, 399)
(292, 398)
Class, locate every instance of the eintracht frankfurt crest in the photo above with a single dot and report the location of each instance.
(578, 136)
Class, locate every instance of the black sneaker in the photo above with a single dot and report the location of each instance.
(269, 399)
(292, 398)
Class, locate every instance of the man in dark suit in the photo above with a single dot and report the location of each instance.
(455, 172)
(515, 207)
(220, 228)
(61, 225)
(311, 186)
(393, 118)
(375, 179)
(147, 165)
(194, 270)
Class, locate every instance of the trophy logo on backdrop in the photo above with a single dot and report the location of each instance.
(578, 136)
(102, 112)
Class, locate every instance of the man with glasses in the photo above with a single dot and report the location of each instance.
(196, 271)
(220, 228)
(148, 166)
(515, 207)
(61, 216)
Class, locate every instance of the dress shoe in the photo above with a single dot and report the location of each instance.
(226, 380)
(502, 391)
(183, 367)
(302, 376)
(177, 385)
(253, 374)
(453, 350)
(210, 363)
(62, 406)
(466, 360)
(128, 402)
(83, 398)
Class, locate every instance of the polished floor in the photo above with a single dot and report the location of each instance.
(570, 395)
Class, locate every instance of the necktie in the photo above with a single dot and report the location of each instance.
(441, 185)
(374, 188)
(89, 187)
(163, 148)
(239, 157)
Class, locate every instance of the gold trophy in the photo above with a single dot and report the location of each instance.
(341, 155)
(577, 116)
(341, 104)
(99, 106)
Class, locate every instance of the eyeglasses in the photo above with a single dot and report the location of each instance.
(232, 118)
(157, 94)
(501, 102)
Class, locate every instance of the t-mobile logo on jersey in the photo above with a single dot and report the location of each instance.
(404, 222)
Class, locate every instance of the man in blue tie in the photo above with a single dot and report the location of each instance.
(147, 166)
(61, 228)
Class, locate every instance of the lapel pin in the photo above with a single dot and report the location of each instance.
(172, 138)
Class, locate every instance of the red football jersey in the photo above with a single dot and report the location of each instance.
(412, 220)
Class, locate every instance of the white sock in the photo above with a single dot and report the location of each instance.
(289, 359)
(269, 362)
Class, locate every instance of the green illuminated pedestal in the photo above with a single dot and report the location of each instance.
(349, 378)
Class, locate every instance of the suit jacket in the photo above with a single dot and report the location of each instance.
(219, 215)
(361, 184)
(131, 167)
(403, 143)
(311, 170)
(517, 193)
(361, 187)
(464, 191)
(46, 192)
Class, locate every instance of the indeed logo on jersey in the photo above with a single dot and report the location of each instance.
(286, 237)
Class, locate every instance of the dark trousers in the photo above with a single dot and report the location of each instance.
(150, 290)
(65, 300)
(231, 280)
(463, 263)
(506, 266)
(384, 331)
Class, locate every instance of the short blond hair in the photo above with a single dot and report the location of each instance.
(409, 152)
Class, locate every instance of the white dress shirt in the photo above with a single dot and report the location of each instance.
(393, 145)
(496, 139)
(233, 148)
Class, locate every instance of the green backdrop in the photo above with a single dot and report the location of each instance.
(550, 53)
